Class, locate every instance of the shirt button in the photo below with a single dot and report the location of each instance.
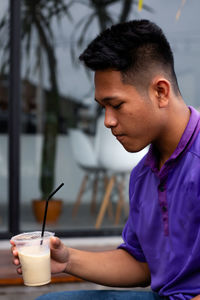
(162, 188)
(164, 208)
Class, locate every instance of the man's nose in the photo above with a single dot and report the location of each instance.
(110, 120)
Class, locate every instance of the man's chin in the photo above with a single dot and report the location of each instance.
(132, 148)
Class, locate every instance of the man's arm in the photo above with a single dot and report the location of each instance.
(115, 268)
(112, 268)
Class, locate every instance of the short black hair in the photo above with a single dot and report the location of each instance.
(136, 49)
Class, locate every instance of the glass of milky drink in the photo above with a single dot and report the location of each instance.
(34, 256)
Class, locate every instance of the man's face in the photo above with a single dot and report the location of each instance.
(132, 116)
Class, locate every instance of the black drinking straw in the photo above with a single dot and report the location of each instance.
(46, 208)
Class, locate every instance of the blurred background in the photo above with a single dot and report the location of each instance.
(50, 125)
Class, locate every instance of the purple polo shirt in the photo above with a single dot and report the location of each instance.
(163, 228)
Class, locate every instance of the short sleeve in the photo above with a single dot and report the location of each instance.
(131, 243)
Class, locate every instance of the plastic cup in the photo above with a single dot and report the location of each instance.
(34, 257)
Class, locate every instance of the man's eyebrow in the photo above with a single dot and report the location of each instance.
(106, 99)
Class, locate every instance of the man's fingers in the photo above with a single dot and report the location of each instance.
(13, 245)
(16, 261)
(14, 249)
(12, 242)
(15, 252)
(19, 270)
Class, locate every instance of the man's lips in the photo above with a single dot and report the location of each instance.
(118, 136)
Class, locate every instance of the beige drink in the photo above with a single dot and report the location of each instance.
(34, 256)
(35, 261)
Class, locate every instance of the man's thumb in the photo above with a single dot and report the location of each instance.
(55, 242)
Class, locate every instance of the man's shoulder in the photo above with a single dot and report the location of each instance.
(195, 148)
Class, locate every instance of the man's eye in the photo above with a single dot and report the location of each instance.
(117, 106)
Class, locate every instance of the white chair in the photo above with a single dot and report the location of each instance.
(118, 162)
(86, 158)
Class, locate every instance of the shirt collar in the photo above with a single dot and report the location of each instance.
(185, 142)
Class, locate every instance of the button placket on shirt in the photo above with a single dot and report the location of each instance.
(162, 196)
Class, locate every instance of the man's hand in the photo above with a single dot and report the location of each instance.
(59, 256)
(196, 298)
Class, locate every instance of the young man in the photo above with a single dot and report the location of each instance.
(135, 83)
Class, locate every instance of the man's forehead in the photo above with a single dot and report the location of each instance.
(109, 86)
(108, 75)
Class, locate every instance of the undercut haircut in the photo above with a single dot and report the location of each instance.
(138, 49)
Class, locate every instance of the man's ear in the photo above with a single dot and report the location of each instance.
(161, 90)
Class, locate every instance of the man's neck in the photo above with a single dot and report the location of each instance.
(172, 134)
